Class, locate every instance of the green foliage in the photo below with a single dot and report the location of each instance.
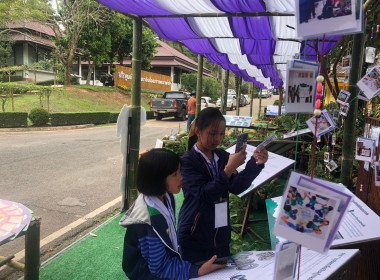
(39, 116)
(210, 86)
(13, 119)
(95, 88)
(178, 146)
(79, 118)
(244, 88)
(113, 117)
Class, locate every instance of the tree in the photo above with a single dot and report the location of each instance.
(95, 42)
(121, 30)
(68, 23)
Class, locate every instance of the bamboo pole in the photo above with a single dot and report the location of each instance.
(348, 149)
(251, 14)
(251, 97)
(136, 113)
(258, 115)
(32, 250)
(237, 88)
(224, 109)
(281, 92)
(199, 84)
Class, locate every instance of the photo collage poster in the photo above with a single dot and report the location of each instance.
(311, 212)
(315, 18)
(300, 91)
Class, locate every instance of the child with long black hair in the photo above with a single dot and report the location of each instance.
(150, 243)
(209, 175)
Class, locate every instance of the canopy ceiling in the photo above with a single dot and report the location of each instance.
(256, 47)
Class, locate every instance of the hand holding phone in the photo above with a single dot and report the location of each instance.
(242, 139)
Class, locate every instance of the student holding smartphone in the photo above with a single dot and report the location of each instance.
(209, 175)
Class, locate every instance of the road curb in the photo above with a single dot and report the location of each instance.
(45, 128)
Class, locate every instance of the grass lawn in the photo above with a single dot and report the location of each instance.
(81, 98)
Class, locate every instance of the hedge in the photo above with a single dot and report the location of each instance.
(13, 119)
(113, 117)
(79, 118)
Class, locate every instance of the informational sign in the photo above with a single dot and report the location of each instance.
(360, 224)
(295, 133)
(238, 121)
(272, 110)
(260, 265)
(149, 80)
(275, 165)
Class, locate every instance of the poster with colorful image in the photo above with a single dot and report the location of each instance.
(310, 212)
(346, 62)
(324, 17)
(300, 92)
(370, 83)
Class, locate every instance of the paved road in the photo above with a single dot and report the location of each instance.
(64, 175)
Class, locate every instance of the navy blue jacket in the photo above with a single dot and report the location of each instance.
(196, 227)
(148, 251)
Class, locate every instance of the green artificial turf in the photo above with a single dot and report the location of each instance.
(93, 258)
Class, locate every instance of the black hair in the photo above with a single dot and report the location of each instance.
(153, 169)
(298, 195)
(309, 224)
(313, 197)
(287, 208)
(330, 208)
(300, 229)
(205, 118)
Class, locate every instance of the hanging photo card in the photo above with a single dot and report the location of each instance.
(344, 109)
(346, 62)
(295, 133)
(326, 157)
(324, 18)
(335, 114)
(375, 134)
(370, 83)
(370, 54)
(325, 124)
(310, 212)
(377, 173)
(343, 97)
(285, 263)
(331, 166)
(300, 92)
(365, 149)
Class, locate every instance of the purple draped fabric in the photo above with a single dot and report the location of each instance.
(257, 47)
(172, 29)
(239, 5)
(251, 27)
(311, 53)
(136, 7)
(199, 46)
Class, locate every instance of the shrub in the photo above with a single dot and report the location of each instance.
(39, 116)
(13, 119)
(80, 118)
(113, 117)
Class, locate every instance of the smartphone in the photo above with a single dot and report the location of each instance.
(223, 260)
(241, 141)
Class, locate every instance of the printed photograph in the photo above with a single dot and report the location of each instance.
(332, 165)
(370, 54)
(324, 124)
(344, 109)
(300, 93)
(336, 114)
(346, 62)
(370, 83)
(308, 212)
(377, 174)
(365, 149)
(343, 97)
(326, 157)
(316, 17)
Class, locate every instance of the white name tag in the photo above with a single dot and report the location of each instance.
(221, 219)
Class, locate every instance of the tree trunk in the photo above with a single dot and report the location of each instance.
(90, 67)
(68, 64)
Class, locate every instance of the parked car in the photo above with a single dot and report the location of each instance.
(231, 91)
(172, 103)
(265, 93)
(231, 102)
(206, 102)
(276, 91)
(247, 98)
